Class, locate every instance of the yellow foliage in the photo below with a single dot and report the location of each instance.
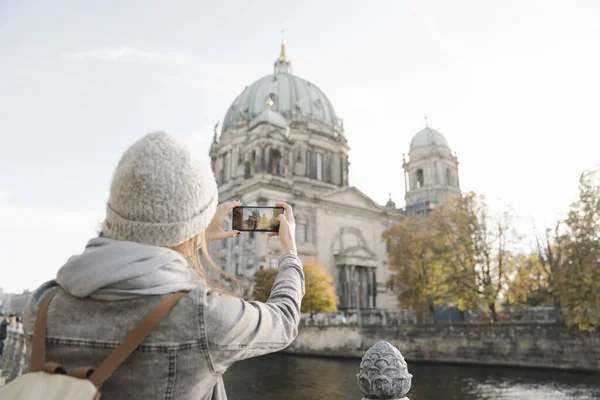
(456, 255)
(580, 283)
(320, 291)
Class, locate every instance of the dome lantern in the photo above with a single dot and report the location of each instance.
(282, 65)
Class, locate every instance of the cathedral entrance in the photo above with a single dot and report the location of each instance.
(357, 287)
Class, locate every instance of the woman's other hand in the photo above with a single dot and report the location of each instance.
(214, 231)
(287, 230)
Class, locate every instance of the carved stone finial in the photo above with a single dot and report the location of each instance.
(383, 373)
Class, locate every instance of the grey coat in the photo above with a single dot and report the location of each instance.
(187, 354)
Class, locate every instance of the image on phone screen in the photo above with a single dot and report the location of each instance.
(256, 218)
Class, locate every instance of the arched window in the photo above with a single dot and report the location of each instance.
(301, 231)
(341, 171)
(275, 167)
(448, 176)
(420, 178)
(303, 228)
(225, 169)
(299, 156)
(250, 165)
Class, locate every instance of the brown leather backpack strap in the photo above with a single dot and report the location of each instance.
(134, 339)
(82, 372)
(38, 348)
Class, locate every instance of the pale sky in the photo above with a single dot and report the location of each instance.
(513, 85)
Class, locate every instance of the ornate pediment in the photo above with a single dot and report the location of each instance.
(356, 251)
(353, 197)
(350, 247)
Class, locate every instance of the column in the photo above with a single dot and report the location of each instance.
(369, 288)
(352, 286)
(374, 279)
(341, 283)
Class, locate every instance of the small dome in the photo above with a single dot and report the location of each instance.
(428, 137)
(270, 117)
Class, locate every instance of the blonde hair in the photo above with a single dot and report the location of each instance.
(190, 250)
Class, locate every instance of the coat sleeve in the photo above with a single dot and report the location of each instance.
(237, 329)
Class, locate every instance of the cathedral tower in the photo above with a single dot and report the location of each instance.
(431, 172)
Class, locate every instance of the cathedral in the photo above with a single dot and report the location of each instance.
(281, 140)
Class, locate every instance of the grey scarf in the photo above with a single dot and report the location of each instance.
(111, 269)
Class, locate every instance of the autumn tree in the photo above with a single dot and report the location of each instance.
(476, 249)
(453, 223)
(320, 290)
(526, 282)
(538, 277)
(580, 282)
(415, 265)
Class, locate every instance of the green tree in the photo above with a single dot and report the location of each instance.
(320, 290)
(580, 283)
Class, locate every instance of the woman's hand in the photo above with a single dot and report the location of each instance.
(287, 230)
(214, 231)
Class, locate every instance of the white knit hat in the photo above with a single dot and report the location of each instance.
(160, 194)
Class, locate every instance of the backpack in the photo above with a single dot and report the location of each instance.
(50, 381)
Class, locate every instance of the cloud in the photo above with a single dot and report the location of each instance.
(116, 54)
(186, 69)
(131, 54)
(196, 82)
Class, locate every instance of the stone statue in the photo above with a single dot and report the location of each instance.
(215, 132)
(341, 125)
(383, 373)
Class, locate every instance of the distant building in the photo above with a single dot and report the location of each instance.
(13, 303)
(281, 140)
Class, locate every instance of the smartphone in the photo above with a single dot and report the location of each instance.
(256, 218)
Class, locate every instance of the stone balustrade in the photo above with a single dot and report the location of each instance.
(383, 371)
(14, 360)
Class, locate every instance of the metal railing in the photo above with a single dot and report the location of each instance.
(362, 317)
(529, 315)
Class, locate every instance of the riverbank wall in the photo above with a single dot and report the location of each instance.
(515, 345)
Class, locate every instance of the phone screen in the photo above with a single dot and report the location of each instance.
(256, 218)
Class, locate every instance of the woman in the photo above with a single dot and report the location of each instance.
(162, 209)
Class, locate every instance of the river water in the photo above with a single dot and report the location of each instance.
(287, 377)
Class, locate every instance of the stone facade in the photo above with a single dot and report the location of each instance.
(282, 141)
(523, 345)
